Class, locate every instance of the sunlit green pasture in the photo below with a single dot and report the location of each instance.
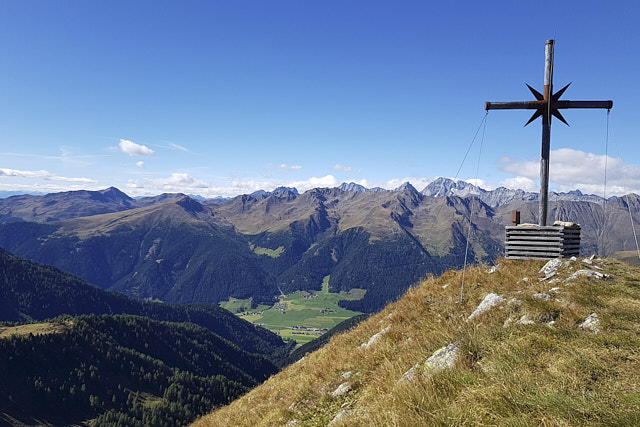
(304, 309)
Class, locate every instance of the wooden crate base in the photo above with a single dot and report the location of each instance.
(541, 242)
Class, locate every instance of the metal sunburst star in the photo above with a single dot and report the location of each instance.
(543, 105)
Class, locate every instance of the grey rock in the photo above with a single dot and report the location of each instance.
(342, 389)
(542, 296)
(409, 375)
(339, 416)
(587, 273)
(493, 269)
(374, 338)
(591, 323)
(443, 358)
(551, 266)
(489, 301)
(524, 320)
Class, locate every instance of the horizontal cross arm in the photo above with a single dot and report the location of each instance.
(583, 104)
(518, 105)
(537, 105)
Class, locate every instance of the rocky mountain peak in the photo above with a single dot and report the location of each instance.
(352, 187)
(406, 186)
(285, 192)
(449, 187)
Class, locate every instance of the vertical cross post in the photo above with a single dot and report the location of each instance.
(546, 133)
(547, 104)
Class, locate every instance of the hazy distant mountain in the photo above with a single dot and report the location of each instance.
(500, 196)
(5, 194)
(352, 186)
(447, 187)
(70, 204)
(152, 200)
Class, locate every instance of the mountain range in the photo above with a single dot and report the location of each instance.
(175, 249)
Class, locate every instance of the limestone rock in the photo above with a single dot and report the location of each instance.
(493, 269)
(339, 416)
(374, 338)
(342, 389)
(524, 320)
(587, 273)
(591, 323)
(542, 296)
(443, 358)
(410, 374)
(551, 266)
(489, 301)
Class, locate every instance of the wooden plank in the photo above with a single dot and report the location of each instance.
(534, 236)
(536, 232)
(527, 243)
(536, 254)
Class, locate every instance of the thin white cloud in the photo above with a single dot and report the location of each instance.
(419, 183)
(574, 169)
(480, 183)
(42, 174)
(133, 149)
(315, 182)
(291, 168)
(179, 147)
(342, 168)
(520, 183)
(140, 164)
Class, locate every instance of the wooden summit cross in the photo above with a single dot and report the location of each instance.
(546, 105)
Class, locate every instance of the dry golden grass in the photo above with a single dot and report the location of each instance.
(32, 328)
(540, 374)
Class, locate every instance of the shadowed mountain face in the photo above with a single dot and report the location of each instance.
(181, 251)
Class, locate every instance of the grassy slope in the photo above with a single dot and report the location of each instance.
(517, 375)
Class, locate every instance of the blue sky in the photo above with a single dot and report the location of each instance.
(219, 98)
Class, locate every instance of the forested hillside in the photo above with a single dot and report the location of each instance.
(121, 369)
(32, 291)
